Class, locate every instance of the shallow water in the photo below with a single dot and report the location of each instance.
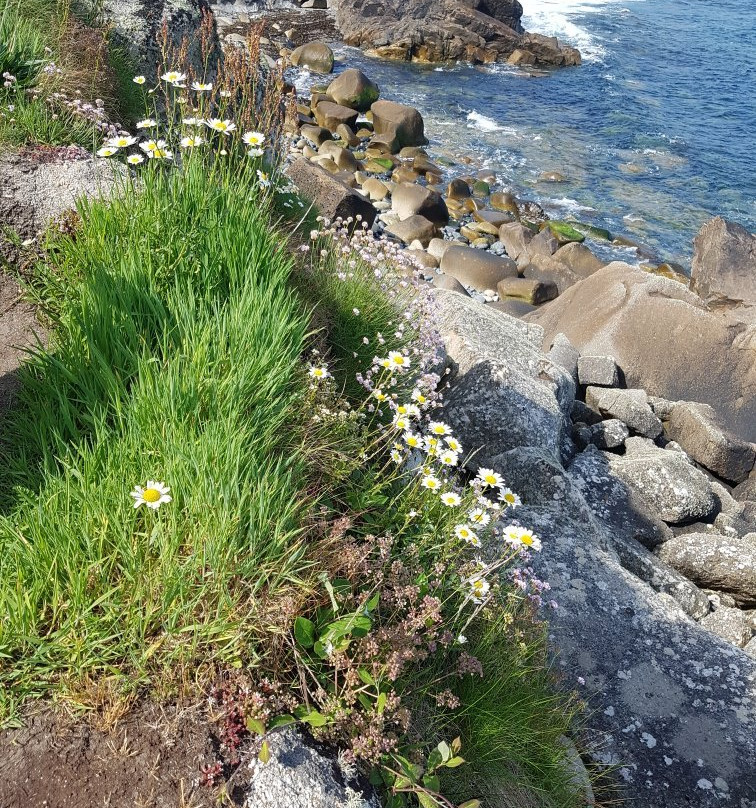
(655, 131)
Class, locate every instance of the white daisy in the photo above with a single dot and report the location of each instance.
(431, 482)
(509, 498)
(173, 77)
(253, 138)
(490, 478)
(217, 125)
(121, 142)
(449, 458)
(202, 88)
(450, 499)
(479, 517)
(107, 151)
(320, 372)
(153, 495)
(438, 428)
(146, 123)
(479, 588)
(191, 142)
(255, 153)
(139, 79)
(134, 159)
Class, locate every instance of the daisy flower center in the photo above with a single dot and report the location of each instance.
(151, 495)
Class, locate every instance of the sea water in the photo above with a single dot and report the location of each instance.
(654, 133)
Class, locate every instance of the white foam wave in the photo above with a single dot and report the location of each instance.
(482, 122)
(558, 18)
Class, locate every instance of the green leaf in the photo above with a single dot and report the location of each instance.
(282, 721)
(365, 676)
(264, 755)
(304, 632)
(365, 702)
(372, 602)
(434, 760)
(426, 800)
(255, 725)
(432, 782)
(311, 717)
(402, 782)
(381, 704)
(444, 750)
(470, 804)
(454, 762)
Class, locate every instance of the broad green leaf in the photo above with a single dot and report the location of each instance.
(365, 676)
(426, 800)
(255, 725)
(431, 781)
(454, 762)
(304, 632)
(282, 721)
(470, 804)
(264, 755)
(311, 717)
(443, 748)
(381, 704)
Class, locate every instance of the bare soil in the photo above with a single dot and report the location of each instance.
(152, 758)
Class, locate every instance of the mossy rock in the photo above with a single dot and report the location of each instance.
(600, 233)
(565, 232)
(481, 188)
(385, 162)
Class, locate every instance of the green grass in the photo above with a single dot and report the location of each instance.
(33, 122)
(175, 357)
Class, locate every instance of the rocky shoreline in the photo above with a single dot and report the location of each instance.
(619, 403)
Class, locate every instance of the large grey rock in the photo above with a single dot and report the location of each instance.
(579, 259)
(331, 116)
(413, 228)
(729, 624)
(725, 564)
(666, 482)
(664, 338)
(515, 237)
(661, 577)
(724, 261)
(332, 197)
(615, 504)
(302, 774)
(136, 25)
(672, 705)
(477, 268)
(629, 406)
(695, 427)
(505, 393)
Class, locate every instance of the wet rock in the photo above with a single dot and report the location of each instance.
(315, 56)
(505, 202)
(564, 232)
(492, 217)
(665, 481)
(664, 338)
(505, 392)
(724, 261)
(477, 268)
(331, 116)
(527, 289)
(458, 189)
(354, 89)
(729, 624)
(398, 125)
(516, 238)
(695, 427)
(521, 57)
(332, 197)
(600, 371)
(629, 406)
(723, 563)
(410, 200)
(414, 228)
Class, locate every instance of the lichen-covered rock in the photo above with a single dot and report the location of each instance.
(615, 504)
(630, 406)
(723, 563)
(665, 481)
(600, 371)
(506, 392)
(730, 624)
(609, 434)
(137, 23)
(673, 706)
(301, 774)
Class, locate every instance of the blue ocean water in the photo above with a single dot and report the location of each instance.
(655, 131)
